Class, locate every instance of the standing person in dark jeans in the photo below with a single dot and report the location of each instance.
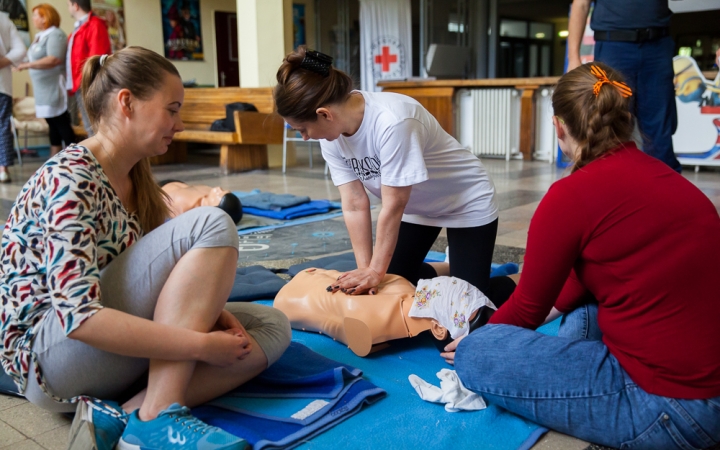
(90, 38)
(47, 71)
(12, 51)
(633, 36)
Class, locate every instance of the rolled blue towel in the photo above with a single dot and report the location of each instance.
(292, 212)
(273, 202)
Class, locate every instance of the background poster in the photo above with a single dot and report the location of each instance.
(298, 25)
(111, 11)
(181, 29)
(17, 9)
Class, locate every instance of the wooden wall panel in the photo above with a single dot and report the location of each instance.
(438, 101)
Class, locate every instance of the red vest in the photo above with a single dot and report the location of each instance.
(90, 39)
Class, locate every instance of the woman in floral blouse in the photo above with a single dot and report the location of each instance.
(97, 289)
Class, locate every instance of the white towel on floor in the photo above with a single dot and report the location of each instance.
(449, 300)
(451, 392)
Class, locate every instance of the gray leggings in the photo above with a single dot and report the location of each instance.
(132, 283)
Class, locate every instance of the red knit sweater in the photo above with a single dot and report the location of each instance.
(644, 242)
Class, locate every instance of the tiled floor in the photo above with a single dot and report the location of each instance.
(520, 186)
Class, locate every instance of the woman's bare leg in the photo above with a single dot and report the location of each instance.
(209, 382)
(192, 297)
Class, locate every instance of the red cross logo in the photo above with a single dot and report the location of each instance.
(385, 59)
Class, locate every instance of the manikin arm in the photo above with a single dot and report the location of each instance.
(576, 30)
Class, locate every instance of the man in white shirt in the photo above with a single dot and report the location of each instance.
(12, 52)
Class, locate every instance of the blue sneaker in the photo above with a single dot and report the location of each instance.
(98, 425)
(176, 428)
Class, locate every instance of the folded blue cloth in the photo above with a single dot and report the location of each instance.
(293, 212)
(291, 377)
(255, 283)
(300, 396)
(273, 202)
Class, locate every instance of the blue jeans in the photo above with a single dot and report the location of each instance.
(571, 383)
(647, 68)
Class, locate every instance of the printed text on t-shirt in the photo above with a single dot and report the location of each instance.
(367, 168)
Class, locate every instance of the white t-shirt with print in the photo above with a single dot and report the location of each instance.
(399, 143)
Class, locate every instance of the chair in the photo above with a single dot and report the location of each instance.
(295, 137)
(23, 119)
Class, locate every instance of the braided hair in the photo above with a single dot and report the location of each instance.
(597, 115)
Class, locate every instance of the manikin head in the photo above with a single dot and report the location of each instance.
(589, 124)
(309, 99)
(184, 197)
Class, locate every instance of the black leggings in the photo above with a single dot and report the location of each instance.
(61, 130)
(471, 252)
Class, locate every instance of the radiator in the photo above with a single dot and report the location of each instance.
(489, 121)
(545, 137)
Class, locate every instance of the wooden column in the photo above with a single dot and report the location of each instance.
(527, 121)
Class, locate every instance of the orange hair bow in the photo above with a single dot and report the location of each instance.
(623, 88)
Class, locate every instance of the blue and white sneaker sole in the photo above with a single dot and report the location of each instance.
(122, 445)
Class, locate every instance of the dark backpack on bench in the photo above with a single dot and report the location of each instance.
(228, 123)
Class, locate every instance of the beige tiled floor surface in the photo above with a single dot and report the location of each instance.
(520, 184)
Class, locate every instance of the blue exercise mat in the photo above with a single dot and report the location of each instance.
(403, 420)
(301, 395)
(7, 385)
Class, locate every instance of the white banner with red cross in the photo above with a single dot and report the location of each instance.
(385, 42)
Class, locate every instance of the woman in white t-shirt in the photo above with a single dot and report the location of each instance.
(390, 145)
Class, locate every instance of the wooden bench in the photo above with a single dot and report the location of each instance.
(242, 150)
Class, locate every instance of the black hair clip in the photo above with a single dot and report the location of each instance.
(317, 62)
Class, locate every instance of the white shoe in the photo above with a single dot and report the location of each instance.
(447, 254)
(4, 177)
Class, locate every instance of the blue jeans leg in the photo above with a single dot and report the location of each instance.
(581, 324)
(577, 387)
(648, 69)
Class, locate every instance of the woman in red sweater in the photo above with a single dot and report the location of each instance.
(626, 248)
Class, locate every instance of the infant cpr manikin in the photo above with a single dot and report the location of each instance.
(360, 321)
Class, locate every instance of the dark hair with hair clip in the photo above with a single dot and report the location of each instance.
(307, 81)
(317, 62)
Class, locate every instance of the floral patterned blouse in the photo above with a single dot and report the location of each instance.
(66, 225)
